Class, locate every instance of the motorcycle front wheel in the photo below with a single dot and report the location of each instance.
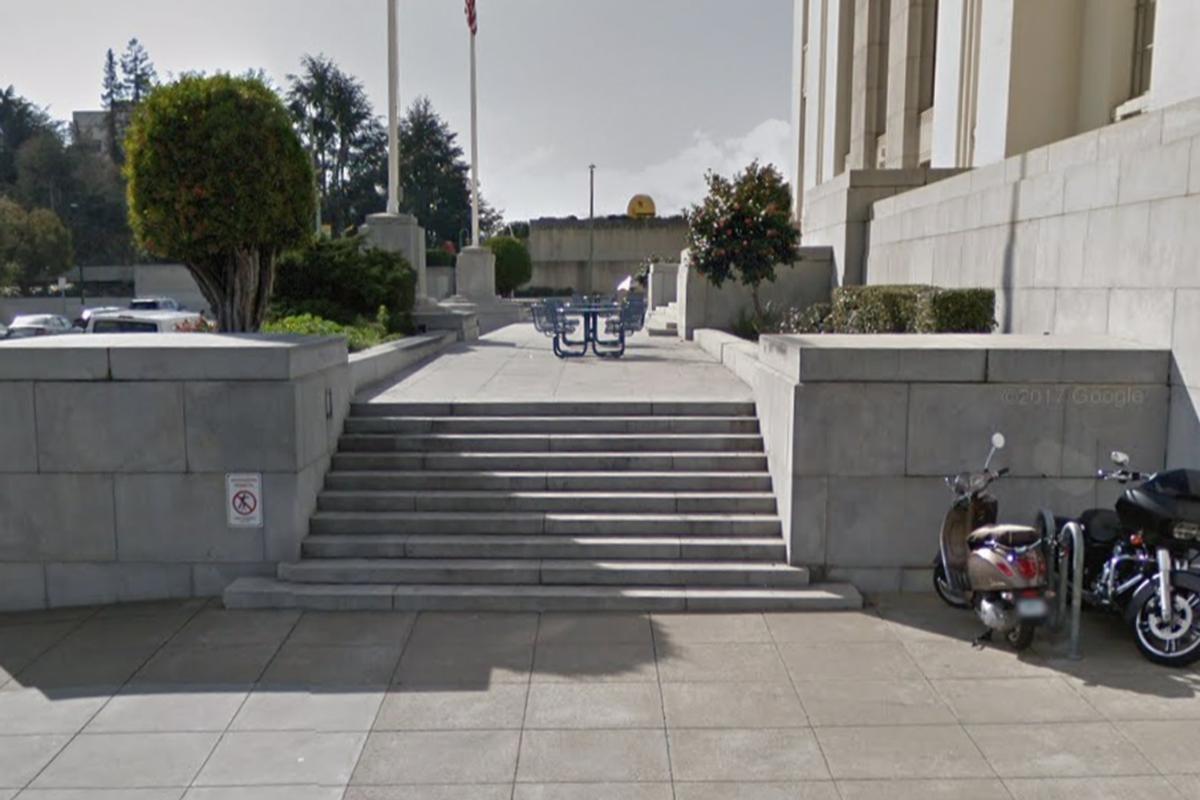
(1173, 644)
(941, 585)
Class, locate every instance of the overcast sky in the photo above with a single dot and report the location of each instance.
(653, 91)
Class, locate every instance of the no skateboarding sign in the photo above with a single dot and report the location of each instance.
(243, 499)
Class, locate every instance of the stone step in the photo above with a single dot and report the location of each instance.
(740, 548)
(581, 572)
(577, 502)
(271, 593)
(584, 462)
(551, 443)
(467, 480)
(536, 524)
(559, 424)
(669, 329)
(555, 408)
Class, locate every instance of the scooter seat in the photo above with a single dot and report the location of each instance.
(1004, 535)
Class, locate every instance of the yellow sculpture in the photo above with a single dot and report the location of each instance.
(641, 207)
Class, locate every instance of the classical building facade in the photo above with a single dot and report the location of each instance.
(1047, 148)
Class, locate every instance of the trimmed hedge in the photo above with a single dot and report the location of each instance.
(439, 258)
(514, 267)
(543, 291)
(909, 309)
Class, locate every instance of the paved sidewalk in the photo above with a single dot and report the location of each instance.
(174, 700)
(517, 363)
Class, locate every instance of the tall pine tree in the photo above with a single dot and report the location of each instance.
(113, 96)
(137, 72)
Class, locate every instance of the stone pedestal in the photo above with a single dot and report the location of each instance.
(400, 233)
(475, 275)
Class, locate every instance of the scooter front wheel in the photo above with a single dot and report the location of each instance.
(1020, 637)
(941, 585)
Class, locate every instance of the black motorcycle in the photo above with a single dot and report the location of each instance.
(1143, 559)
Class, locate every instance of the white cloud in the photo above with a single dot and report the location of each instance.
(535, 185)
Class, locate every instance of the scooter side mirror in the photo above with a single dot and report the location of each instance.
(1120, 459)
(998, 440)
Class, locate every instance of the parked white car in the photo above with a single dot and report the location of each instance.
(129, 321)
(155, 304)
(29, 325)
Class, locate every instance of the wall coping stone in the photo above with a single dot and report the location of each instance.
(169, 357)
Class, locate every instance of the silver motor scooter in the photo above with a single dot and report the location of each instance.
(999, 570)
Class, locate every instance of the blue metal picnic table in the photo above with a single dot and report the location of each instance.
(560, 319)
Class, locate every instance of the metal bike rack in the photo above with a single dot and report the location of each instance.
(1075, 531)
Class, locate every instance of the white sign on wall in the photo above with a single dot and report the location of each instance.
(243, 499)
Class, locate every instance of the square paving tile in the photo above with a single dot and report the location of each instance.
(1167, 695)
(442, 757)
(99, 794)
(722, 663)
(732, 705)
(594, 705)
(120, 760)
(710, 628)
(584, 662)
(308, 710)
(1024, 700)
(1061, 750)
(952, 658)
(1175, 744)
(64, 667)
(453, 664)
(848, 660)
(593, 628)
(497, 707)
(746, 755)
(902, 751)
(804, 790)
(925, 789)
(853, 702)
(1188, 786)
(592, 791)
(829, 626)
(332, 665)
(124, 633)
(438, 627)
(293, 792)
(202, 665)
(353, 628)
(22, 757)
(477, 791)
(280, 757)
(1147, 786)
(593, 756)
(147, 709)
(220, 628)
(26, 711)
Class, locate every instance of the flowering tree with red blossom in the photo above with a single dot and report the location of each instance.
(743, 229)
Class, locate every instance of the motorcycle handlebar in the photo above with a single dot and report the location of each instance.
(1121, 475)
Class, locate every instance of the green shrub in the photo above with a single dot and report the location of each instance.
(439, 258)
(342, 280)
(813, 319)
(514, 267)
(360, 336)
(910, 309)
(960, 311)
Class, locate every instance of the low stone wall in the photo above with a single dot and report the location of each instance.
(116, 450)
(701, 305)
(374, 365)
(860, 432)
(662, 285)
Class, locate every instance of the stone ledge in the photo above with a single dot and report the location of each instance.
(169, 357)
(377, 363)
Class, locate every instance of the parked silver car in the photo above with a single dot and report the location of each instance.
(30, 325)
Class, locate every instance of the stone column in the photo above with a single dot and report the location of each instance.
(867, 81)
(400, 233)
(903, 84)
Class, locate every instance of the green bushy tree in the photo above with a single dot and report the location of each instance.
(219, 181)
(743, 229)
(514, 267)
(35, 246)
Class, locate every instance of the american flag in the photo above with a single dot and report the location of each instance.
(472, 21)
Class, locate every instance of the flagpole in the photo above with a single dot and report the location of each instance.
(393, 199)
(474, 154)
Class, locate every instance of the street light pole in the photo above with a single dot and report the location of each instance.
(591, 223)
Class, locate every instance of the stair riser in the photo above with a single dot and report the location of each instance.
(504, 503)
(680, 443)
(447, 547)
(540, 527)
(558, 462)
(521, 576)
(548, 425)
(535, 482)
(555, 409)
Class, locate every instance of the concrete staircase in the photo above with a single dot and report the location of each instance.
(545, 505)
(663, 320)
